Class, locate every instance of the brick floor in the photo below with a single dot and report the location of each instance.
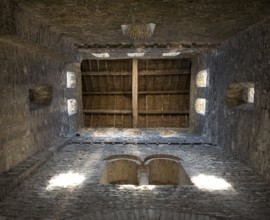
(247, 198)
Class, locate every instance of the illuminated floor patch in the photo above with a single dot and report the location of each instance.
(66, 180)
(211, 183)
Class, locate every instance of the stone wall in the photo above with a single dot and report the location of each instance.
(243, 131)
(75, 121)
(26, 130)
(30, 26)
(196, 121)
(6, 17)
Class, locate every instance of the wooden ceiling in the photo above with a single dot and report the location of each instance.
(163, 89)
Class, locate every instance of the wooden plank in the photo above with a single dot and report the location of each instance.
(164, 92)
(146, 108)
(167, 112)
(107, 104)
(108, 93)
(141, 73)
(106, 73)
(162, 109)
(135, 92)
(140, 92)
(177, 82)
(170, 81)
(107, 111)
(91, 121)
(114, 109)
(114, 83)
(164, 72)
(84, 85)
(92, 83)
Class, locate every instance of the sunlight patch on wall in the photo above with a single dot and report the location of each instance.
(135, 54)
(211, 183)
(72, 106)
(66, 180)
(249, 96)
(134, 187)
(200, 106)
(71, 80)
(108, 132)
(240, 94)
(201, 79)
(167, 133)
(101, 55)
(170, 54)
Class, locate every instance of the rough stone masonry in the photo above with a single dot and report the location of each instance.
(37, 198)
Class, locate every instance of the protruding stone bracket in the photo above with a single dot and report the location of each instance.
(240, 93)
(41, 95)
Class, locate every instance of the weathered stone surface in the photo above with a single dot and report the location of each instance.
(150, 214)
(176, 21)
(248, 198)
(37, 30)
(55, 25)
(7, 24)
(24, 132)
(245, 132)
(11, 179)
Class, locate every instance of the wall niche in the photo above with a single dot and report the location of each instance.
(40, 96)
(240, 95)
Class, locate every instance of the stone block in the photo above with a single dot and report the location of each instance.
(41, 95)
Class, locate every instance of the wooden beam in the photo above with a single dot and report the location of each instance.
(107, 111)
(108, 93)
(140, 92)
(164, 92)
(141, 73)
(164, 72)
(135, 92)
(165, 112)
(128, 112)
(106, 73)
